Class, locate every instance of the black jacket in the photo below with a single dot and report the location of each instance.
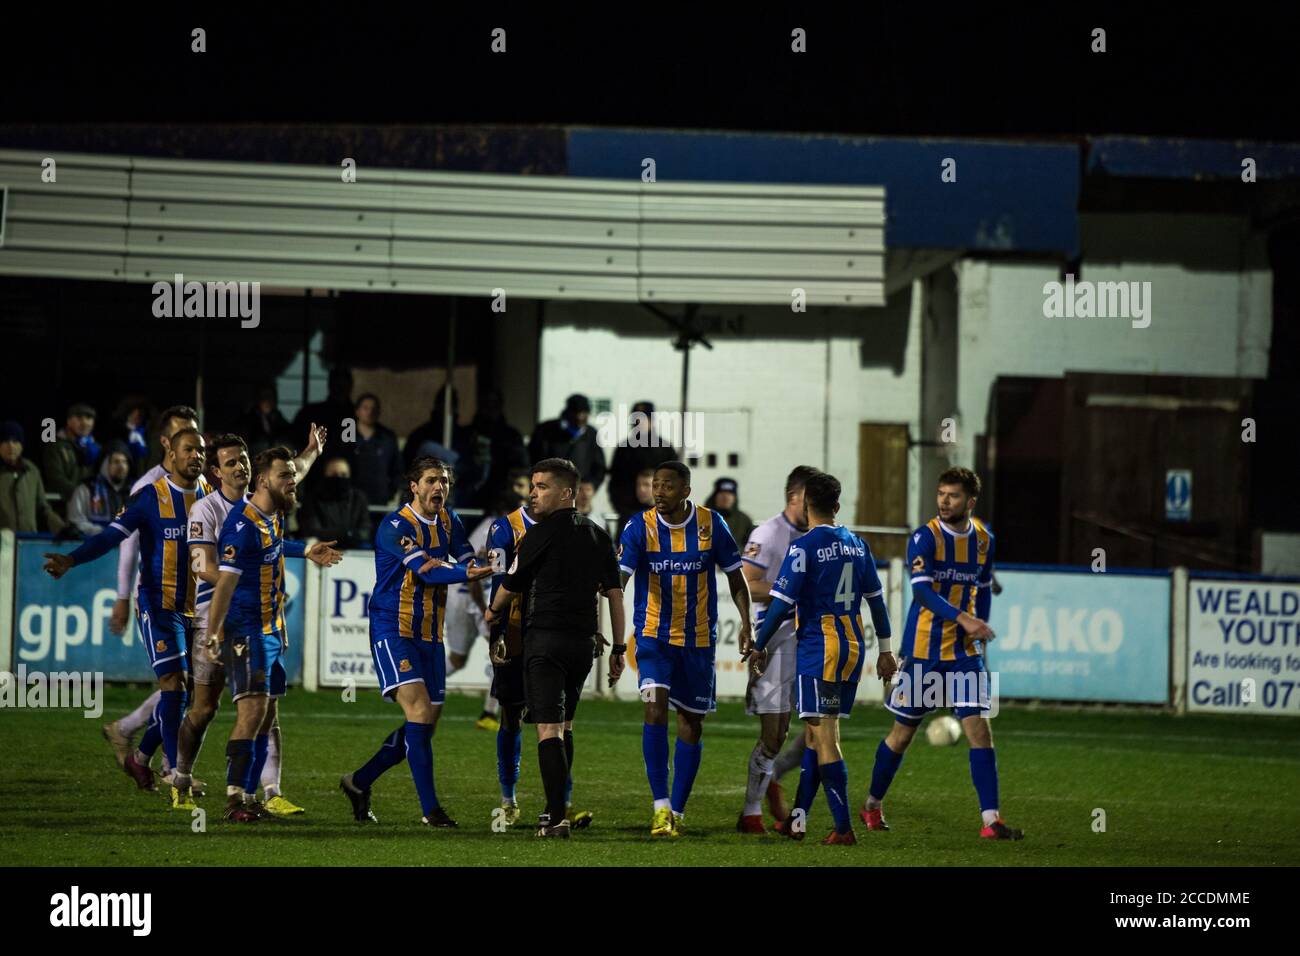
(551, 440)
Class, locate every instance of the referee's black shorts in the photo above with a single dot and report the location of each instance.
(556, 665)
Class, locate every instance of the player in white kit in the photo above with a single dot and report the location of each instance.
(464, 622)
(770, 694)
(230, 457)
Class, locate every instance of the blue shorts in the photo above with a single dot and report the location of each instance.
(924, 686)
(687, 672)
(406, 660)
(166, 636)
(825, 698)
(252, 663)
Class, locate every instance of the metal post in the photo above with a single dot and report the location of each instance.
(451, 366)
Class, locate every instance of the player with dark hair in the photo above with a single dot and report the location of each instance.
(770, 694)
(825, 576)
(413, 547)
(166, 598)
(228, 455)
(246, 617)
(951, 560)
(672, 551)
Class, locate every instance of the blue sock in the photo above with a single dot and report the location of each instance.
(170, 710)
(390, 754)
(810, 779)
(836, 777)
(508, 750)
(239, 754)
(686, 764)
(882, 774)
(419, 755)
(261, 746)
(984, 774)
(654, 745)
(152, 738)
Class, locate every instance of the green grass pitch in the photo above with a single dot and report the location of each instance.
(1195, 790)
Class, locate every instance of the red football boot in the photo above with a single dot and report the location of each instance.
(835, 838)
(997, 830)
(750, 824)
(874, 819)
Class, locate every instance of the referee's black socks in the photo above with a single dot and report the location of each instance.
(553, 762)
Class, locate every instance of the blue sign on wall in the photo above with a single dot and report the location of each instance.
(63, 625)
(1178, 494)
(1081, 636)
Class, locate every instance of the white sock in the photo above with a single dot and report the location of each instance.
(271, 769)
(990, 817)
(660, 804)
(760, 774)
(872, 803)
(491, 704)
(789, 758)
(130, 724)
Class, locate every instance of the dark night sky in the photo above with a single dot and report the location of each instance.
(911, 70)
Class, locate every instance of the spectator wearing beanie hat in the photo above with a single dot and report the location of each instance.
(725, 500)
(22, 492)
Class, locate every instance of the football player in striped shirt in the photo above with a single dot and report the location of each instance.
(246, 617)
(825, 576)
(951, 559)
(231, 465)
(165, 602)
(413, 549)
(672, 551)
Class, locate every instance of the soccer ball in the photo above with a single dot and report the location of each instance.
(943, 731)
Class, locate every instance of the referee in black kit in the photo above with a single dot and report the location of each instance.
(564, 562)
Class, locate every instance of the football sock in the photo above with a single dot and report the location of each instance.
(686, 764)
(171, 707)
(491, 705)
(789, 758)
(132, 722)
(810, 779)
(239, 754)
(419, 756)
(152, 739)
(836, 777)
(654, 746)
(270, 775)
(882, 774)
(260, 745)
(760, 774)
(508, 751)
(568, 755)
(554, 767)
(984, 774)
(390, 754)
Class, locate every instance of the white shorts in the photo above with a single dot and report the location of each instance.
(205, 671)
(773, 693)
(463, 622)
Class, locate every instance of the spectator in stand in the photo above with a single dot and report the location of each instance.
(337, 511)
(725, 500)
(583, 500)
(377, 464)
(74, 455)
(570, 437)
(641, 450)
(427, 441)
(23, 507)
(645, 490)
(263, 426)
(97, 500)
(132, 416)
(337, 407)
(497, 447)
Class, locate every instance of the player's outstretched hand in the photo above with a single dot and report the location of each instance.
(324, 553)
(886, 666)
(974, 627)
(315, 439)
(475, 571)
(57, 565)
